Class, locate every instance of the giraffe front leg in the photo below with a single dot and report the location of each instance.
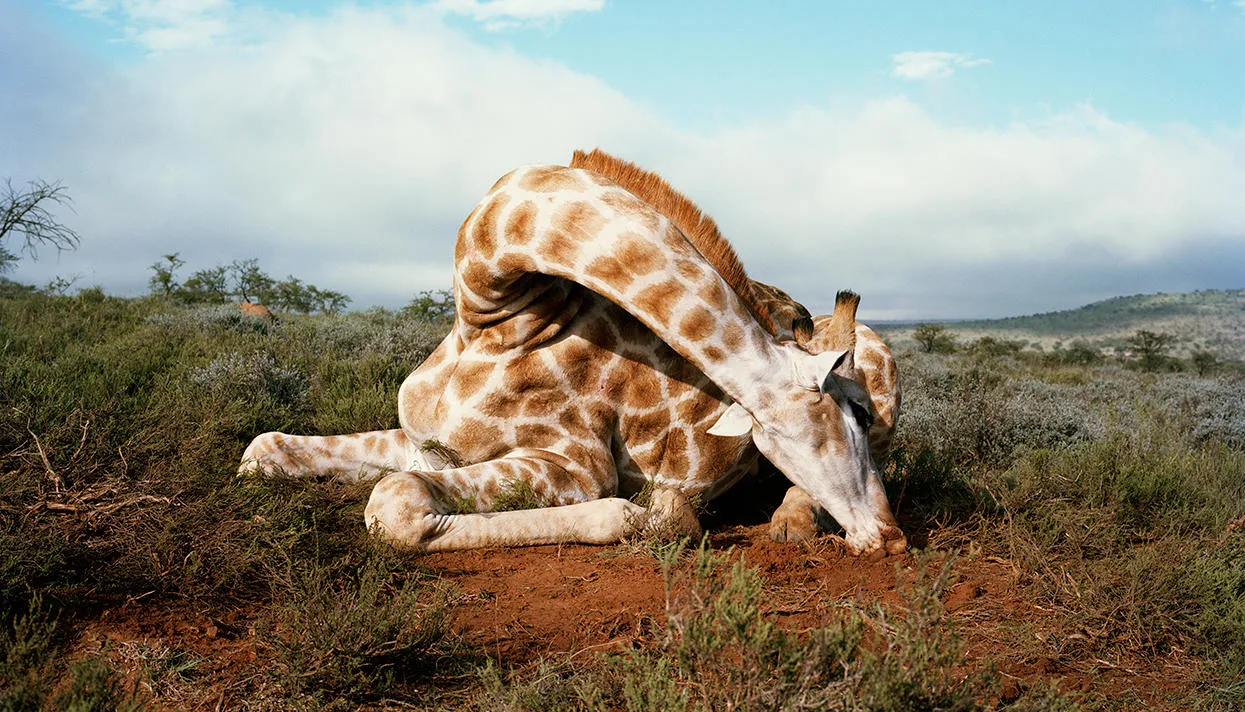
(361, 456)
(796, 518)
(799, 517)
(408, 509)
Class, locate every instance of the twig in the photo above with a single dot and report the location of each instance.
(120, 505)
(60, 507)
(85, 426)
(56, 479)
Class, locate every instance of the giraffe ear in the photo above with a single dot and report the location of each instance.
(815, 372)
(734, 422)
(825, 363)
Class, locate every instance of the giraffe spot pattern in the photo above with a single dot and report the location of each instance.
(732, 337)
(521, 225)
(639, 255)
(470, 377)
(676, 462)
(551, 179)
(659, 300)
(484, 235)
(610, 270)
(628, 207)
(698, 324)
(714, 295)
(643, 390)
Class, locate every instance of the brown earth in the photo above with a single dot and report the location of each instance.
(520, 606)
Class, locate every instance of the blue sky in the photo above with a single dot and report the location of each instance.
(946, 159)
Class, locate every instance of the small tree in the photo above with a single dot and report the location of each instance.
(431, 305)
(1151, 348)
(1081, 353)
(292, 294)
(990, 347)
(250, 283)
(933, 338)
(25, 213)
(330, 302)
(207, 286)
(1204, 362)
(163, 281)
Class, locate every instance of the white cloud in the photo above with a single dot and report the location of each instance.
(504, 14)
(347, 150)
(919, 66)
(161, 25)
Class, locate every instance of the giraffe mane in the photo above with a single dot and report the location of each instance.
(696, 226)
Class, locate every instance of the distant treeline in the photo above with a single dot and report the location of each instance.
(241, 280)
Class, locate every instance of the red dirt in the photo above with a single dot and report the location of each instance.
(521, 605)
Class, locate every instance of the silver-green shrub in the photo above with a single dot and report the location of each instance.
(245, 376)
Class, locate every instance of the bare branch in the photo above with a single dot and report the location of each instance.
(26, 213)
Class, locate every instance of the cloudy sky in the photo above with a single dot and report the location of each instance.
(945, 159)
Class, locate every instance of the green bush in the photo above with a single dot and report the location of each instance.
(346, 635)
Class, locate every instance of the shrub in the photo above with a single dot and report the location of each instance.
(26, 656)
(977, 414)
(933, 338)
(211, 318)
(339, 640)
(988, 347)
(1204, 362)
(252, 376)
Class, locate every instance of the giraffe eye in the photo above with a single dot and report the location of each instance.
(862, 415)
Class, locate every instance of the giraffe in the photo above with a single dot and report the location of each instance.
(594, 349)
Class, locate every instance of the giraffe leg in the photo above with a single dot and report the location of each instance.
(408, 510)
(357, 457)
(796, 518)
(671, 515)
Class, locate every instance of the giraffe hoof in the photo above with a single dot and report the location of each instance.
(792, 524)
(895, 541)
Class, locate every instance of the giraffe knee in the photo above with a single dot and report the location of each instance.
(400, 511)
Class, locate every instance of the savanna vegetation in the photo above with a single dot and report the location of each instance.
(1113, 496)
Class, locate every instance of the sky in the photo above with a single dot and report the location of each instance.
(950, 159)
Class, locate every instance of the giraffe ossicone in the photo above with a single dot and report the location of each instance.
(598, 344)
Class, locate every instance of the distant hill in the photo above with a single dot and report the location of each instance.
(1212, 320)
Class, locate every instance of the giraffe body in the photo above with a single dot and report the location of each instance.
(594, 348)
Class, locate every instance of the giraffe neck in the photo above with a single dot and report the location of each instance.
(573, 224)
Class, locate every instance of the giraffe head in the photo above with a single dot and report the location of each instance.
(817, 435)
